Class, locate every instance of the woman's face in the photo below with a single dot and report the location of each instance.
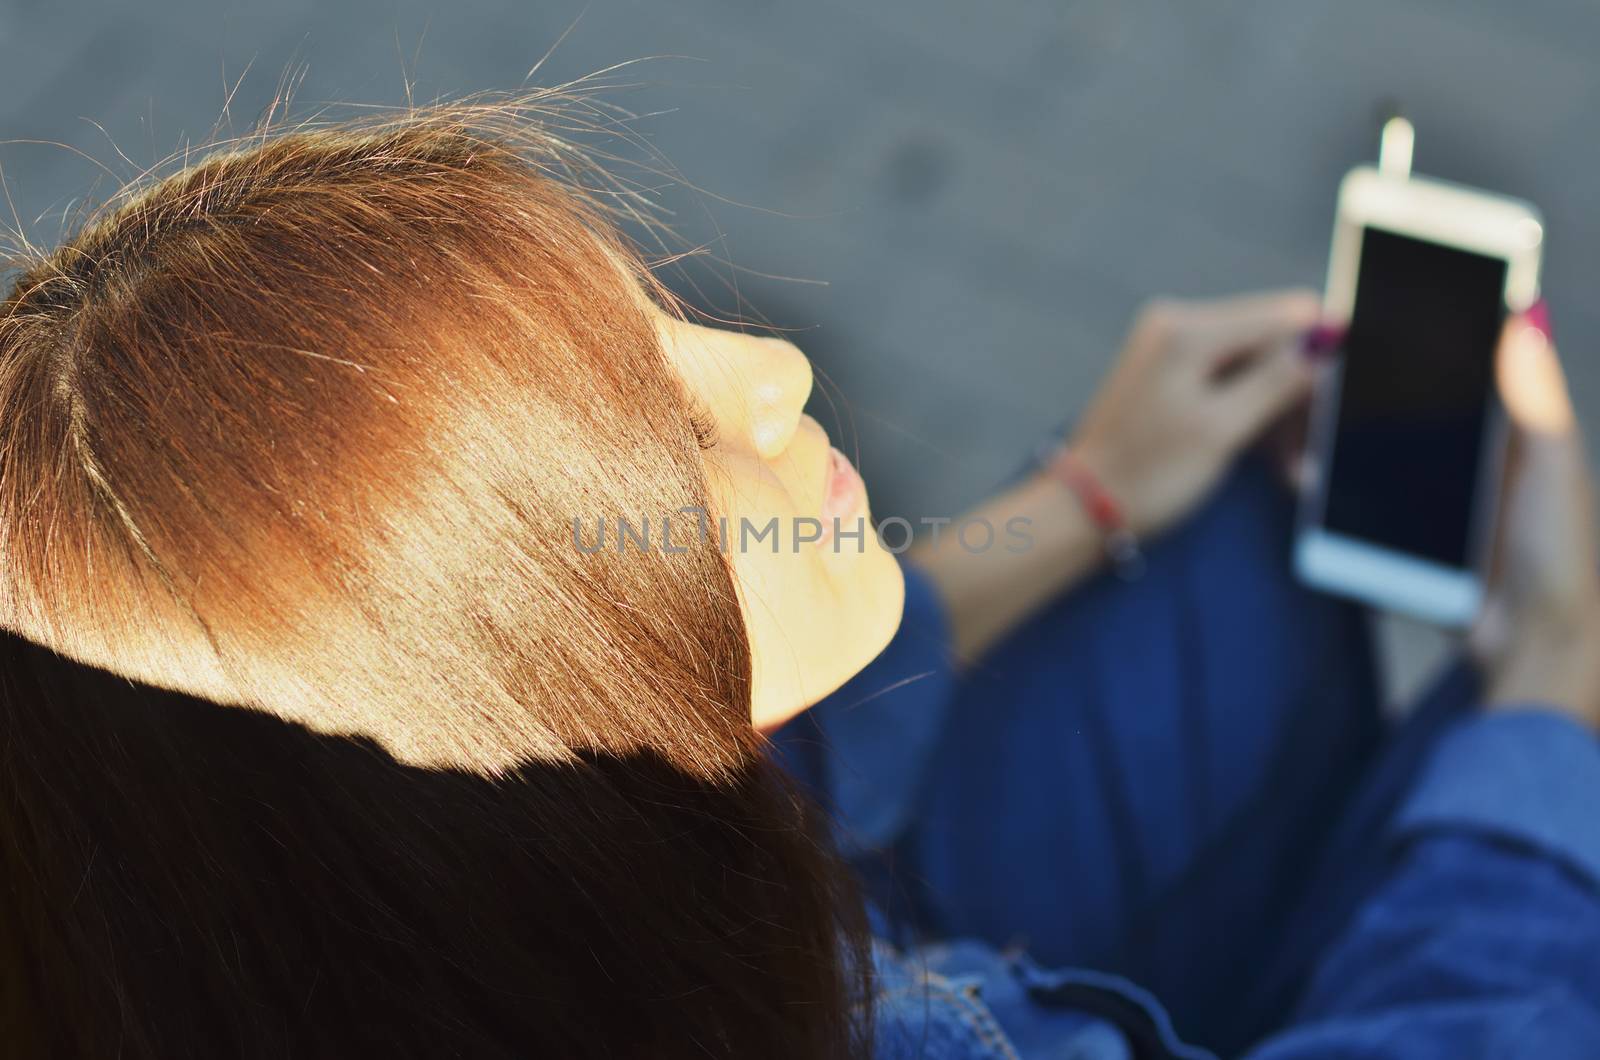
(821, 596)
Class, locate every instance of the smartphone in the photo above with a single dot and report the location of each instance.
(1407, 435)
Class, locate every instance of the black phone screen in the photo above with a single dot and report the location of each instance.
(1416, 396)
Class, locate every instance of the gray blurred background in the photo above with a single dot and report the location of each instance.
(969, 199)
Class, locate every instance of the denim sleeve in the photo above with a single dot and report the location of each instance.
(1484, 940)
(864, 749)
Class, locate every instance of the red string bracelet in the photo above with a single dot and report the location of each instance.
(1121, 546)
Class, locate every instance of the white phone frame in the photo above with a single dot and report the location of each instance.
(1454, 216)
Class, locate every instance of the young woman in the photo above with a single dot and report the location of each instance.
(396, 586)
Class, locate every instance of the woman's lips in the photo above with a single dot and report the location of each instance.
(844, 494)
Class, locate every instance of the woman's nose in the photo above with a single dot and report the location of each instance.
(782, 383)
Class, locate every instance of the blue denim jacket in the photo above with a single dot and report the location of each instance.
(1480, 938)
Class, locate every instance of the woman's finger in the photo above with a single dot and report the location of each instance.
(1260, 391)
(1285, 442)
(1221, 330)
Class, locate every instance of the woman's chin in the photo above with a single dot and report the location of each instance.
(885, 606)
(873, 598)
(838, 645)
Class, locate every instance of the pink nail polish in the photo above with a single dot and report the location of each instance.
(1322, 340)
(1537, 316)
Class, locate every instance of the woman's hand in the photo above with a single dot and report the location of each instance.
(1195, 383)
(1539, 637)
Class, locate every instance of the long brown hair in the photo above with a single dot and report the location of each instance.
(317, 734)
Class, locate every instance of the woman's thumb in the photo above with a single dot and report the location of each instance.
(1529, 376)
